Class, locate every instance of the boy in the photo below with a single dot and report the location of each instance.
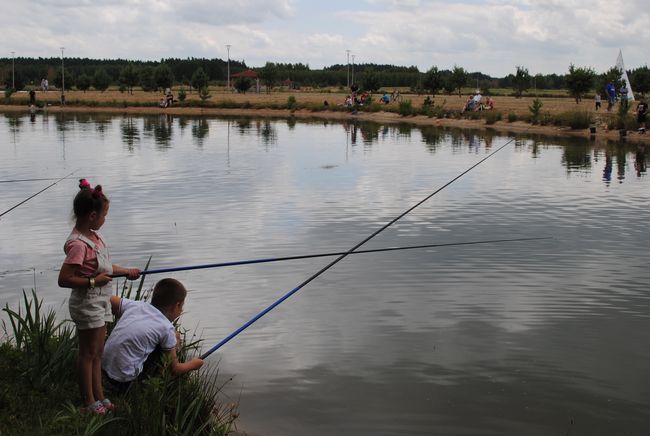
(143, 333)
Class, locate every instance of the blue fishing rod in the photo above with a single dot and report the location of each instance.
(343, 256)
(42, 190)
(310, 256)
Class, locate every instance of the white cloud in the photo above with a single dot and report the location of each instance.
(490, 36)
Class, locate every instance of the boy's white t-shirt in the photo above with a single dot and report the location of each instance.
(140, 329)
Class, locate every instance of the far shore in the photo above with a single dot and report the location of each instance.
(504, 104)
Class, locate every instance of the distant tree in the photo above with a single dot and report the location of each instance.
(641, 80)
(579, 81)
(199, 79)
(458, 78)
(448, 85)
(58, 79)
(521, 81)
(269, 75)
(370, 81)
(83, 83)
(433, 80)
(129, 77)
(147, 80)
(18, 80)
(163, 76)
(243, 84)
(101, 80)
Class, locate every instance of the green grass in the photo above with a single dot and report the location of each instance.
(39, 393)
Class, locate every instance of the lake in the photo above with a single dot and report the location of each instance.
(516, 338)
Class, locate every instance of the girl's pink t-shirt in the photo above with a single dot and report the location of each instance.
(79, 253)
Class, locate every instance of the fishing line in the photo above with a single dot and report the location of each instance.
(344, 255)
(309, 256)
(44, 189)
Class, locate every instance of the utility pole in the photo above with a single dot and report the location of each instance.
(348, 52)
(352, 69)
(62, 78)
(13, 74)
(228, 48)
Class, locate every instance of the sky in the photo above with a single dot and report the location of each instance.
(491, 36)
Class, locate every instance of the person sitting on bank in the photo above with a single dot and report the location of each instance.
(169, 97)
(144, 336)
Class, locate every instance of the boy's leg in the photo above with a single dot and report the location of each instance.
(153, 364)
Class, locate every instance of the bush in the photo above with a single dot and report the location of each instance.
(575, 120)
(8, 92)
(536, 108)
(492, 116)
(182, 95)
(292, 103)
(405, 108)
(512, 117)
(204, 94)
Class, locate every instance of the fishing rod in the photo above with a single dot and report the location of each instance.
(44, 189)
(26, 180)
(343, 256)
(310, 256)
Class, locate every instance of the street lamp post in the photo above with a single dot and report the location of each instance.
(353, 69)
(348, 52)
(228, 48)
(13, 74)
(62, 77)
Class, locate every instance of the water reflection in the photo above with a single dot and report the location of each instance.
(130, 132)
(200, 130)
(160, 128)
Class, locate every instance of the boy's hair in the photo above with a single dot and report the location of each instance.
(168, 292)
(88, 200)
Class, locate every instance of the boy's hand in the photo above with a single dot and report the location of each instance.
(132, 273)
(196, 363)
(102, 279)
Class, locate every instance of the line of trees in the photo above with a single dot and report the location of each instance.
(198, 73)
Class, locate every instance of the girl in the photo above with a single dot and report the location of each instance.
(86, 269)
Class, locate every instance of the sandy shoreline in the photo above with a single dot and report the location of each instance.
(378, 117)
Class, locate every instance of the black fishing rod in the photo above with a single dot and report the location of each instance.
(344, 255)
(310, 256)
(44, 189)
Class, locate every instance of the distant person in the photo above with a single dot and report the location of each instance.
(610, 92)
(623, 93)
(144, 335)
(43, 85)
(489, 105)
(163, 102)
(326, 104)
(32, 98)
(385, 98)
(169, 97)
(47, 85)
(598, 101)
(641, 114)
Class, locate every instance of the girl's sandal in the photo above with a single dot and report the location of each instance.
(96, 408)
(108, 405)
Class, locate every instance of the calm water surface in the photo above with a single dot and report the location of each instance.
(530, 338)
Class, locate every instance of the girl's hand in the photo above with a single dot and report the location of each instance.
(102, 279)
(132, 273)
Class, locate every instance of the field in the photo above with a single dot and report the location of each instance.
(503, 103)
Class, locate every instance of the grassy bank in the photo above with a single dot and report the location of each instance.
(39, 393)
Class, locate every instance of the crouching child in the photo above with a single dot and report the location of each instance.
(144, 336)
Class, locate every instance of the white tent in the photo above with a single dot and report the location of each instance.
(621, 66)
